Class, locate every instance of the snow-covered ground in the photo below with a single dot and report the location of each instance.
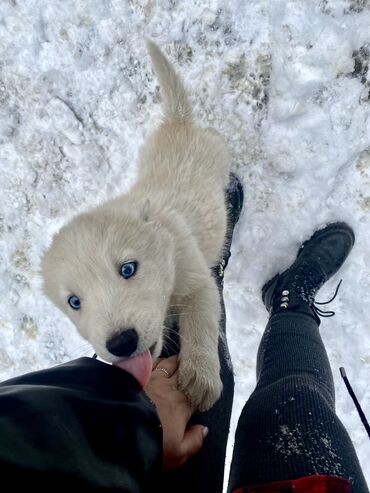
(287, 83)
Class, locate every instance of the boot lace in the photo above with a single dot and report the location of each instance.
(307, 281)
(323, 313)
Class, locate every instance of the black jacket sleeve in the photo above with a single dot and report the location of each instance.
(84, 424)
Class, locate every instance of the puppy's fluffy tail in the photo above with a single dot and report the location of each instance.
(176, 105)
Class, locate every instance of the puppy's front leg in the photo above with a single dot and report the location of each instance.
(199, 370)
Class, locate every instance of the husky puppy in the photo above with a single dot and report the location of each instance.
(122, 269)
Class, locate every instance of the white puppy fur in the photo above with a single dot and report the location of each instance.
(173, 224)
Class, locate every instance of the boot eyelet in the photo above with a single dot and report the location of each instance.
(285, 298)
(284, 305)
(285, 292)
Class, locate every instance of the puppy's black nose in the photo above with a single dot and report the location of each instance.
(123, 344)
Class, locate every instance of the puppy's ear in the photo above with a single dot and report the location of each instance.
(144, 211)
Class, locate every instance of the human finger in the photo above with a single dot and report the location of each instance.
(167, 366)
(193, 439)
(191, 445)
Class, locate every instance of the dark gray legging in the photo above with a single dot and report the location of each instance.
(288, 427)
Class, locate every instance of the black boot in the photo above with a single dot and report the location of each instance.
(318, 259)
(234, 198)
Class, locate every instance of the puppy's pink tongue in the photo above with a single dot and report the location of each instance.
(139, 366)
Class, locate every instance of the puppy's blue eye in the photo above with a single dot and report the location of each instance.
(74, 302)
(128, 269)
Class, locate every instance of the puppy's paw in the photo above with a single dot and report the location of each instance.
(199, 379)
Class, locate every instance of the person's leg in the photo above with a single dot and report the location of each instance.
(205, 472)
(288, 427)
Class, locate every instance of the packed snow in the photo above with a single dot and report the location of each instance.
(286, 82)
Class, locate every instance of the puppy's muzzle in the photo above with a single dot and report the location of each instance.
(124, 343)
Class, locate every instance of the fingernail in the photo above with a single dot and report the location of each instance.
(205, 431)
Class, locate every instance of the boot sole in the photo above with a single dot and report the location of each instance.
(267, 286)
(238, 188)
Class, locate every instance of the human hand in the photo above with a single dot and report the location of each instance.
(180, 442)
